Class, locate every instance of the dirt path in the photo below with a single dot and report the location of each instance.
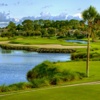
(45, 45)
(81, 84)
(4, 42)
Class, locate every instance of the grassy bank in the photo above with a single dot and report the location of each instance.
(85, 92)
(80, 66)
(75, 66)
(48, 45)
(38, 48)
(81, 54)
(38, 40)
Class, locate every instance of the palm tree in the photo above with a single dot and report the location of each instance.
(97, 24)
(95, 27)
(89, 16)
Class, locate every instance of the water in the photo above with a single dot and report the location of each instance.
(77, 41)
(14, 64)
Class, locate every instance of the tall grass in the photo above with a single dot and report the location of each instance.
(48, 72)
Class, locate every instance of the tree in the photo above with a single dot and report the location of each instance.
(28, 25)
(74, 23)
(51, 31)
(97, 25)
(89, 16)
(11, 27)
(19, 27)
(44, 33)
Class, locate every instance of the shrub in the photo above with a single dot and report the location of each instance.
(48, 73)
(40, 82)
(83, 56)
(4, 88)
(46, 68)
(56, 80)
(20, 86)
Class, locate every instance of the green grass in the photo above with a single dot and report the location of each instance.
(85, 92)
(38, 40)
(80, 66)
(3, 39)
(96, 46)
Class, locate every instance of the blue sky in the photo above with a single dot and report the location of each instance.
(16, 10)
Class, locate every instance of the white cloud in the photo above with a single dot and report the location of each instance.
(17, 19)
(4, 16)
(78, 15)
(5, 19)
(45, 14)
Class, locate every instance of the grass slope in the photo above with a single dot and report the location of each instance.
(81, 92)
(34, 40)
(80, 66)
(85, 92)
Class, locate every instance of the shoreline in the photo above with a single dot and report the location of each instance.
(45, 48)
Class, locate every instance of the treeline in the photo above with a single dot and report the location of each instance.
(46, 28)
(50, 28)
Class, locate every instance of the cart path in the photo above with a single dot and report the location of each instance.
(58, 46)
(72, 85)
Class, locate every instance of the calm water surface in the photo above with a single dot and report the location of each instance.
(14, 64)
(77, 41)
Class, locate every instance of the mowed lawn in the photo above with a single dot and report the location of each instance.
(81, 92)
(85, 92)
(36, 41)
(80, 66)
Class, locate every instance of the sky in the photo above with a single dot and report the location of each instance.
(19, 10)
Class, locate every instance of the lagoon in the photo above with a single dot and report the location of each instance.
(14, 64)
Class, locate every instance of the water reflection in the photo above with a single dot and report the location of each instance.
(14, 64)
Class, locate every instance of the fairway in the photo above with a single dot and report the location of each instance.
(79, 92)
(41, 41)
(80, 66)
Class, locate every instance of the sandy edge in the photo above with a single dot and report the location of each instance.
(45, 46)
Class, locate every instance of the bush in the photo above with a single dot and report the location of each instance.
(20, 86)
(82, 56)
(40, 82)
(56, 80)
(48, 73)
(4, 88)
(46, 68)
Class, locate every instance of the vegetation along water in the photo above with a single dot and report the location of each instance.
(49, 39)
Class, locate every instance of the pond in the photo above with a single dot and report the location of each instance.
(77, 41)
(14, 64)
